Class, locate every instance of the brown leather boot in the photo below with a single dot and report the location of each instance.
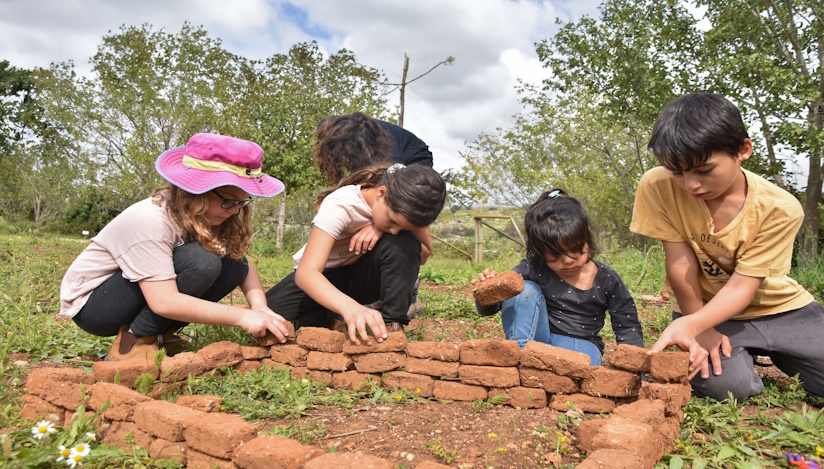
(173, 343)
(142, 348)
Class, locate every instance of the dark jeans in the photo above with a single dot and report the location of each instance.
(387, 273)
(792, 340)
(118, 301)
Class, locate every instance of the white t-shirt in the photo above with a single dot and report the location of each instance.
(139, 242)
(341, 215)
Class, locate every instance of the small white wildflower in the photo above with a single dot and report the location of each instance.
(42, 429)
(64, 453)
(74, 460)
(91, 436)
(82, 449)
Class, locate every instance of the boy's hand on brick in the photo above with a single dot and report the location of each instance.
(684, 339)
(483, 276)
(716, 343)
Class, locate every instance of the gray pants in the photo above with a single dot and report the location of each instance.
(793, 340)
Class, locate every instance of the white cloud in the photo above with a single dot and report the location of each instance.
(492, 42)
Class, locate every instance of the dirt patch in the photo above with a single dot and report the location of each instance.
(446, 432)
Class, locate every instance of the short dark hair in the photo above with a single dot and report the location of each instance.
(416, 191)
(350, 142)
(693, 126)
(557, 224)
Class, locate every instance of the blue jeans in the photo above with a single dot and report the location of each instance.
(525, 318)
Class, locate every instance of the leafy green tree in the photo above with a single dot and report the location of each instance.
(766, 56)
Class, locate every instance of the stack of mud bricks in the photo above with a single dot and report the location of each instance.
(639, 419)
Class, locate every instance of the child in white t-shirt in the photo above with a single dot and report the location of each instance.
(343, 267)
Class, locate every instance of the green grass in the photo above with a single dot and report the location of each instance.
(32, 265)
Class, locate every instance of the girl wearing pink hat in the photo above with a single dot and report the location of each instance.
(167, 260)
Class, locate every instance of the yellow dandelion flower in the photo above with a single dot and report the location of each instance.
(819, 451)
(492, 435)
(418, 391)
(398, 398)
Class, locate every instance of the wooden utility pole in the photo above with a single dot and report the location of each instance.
(403, 87)
(403, 83)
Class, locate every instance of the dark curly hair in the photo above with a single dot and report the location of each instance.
(345, 144)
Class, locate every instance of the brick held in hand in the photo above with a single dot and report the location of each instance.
(498, 288)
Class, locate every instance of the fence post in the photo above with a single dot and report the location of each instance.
(479, 240)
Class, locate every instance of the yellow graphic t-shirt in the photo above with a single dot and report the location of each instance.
(758, 242)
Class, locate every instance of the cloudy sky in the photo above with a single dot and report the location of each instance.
(492, 41)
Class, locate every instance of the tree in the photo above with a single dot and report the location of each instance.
(150, 92)
(766, 55)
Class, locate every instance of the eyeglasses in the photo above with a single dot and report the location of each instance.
(231, 203)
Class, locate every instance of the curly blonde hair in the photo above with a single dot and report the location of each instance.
(231, 239)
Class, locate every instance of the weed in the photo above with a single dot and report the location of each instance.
(437, 449)
(304, 431)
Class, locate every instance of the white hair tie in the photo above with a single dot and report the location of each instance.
(395, 167)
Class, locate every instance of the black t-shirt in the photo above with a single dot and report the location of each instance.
(407, 148)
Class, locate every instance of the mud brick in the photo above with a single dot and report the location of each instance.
(321, 376)
(34, 409)
(630, 358)
(171, 450)
(561, 361)
(42, 378)
(66, 395)
(271, 339)
(201, 402)
(635, 437)
(126, 372)
(273, 364)
(198, 460)
(431, 465)
(163, 419)
(328, 361)
(492, 352)
(611, 382)
(675, 396)
(250, 352)
(291, 354)
(611, 459)
(352, 380)
(496, 289)
(522, 398)
(320, 339)
(181, 366)
(72, 416)
(670, 430)
(585, 432)
(492, 376)
(644, 411)
(122, 401)
(273, 451)
(299, 372)
(248, 365)
(584, 403)
(672, 367)
(454, 391)
(353, 460)
(379, 362)
(410, 382)
(434, 368)
(217, 434)
(119, 432)
(434, 351)
(394, 342)
(223, 353)
(547, 380)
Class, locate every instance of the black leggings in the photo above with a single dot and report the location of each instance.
(118, 301)
(388, 273)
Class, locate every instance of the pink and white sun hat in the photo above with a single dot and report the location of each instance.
(209, 161)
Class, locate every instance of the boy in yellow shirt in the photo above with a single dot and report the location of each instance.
(728, 239)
